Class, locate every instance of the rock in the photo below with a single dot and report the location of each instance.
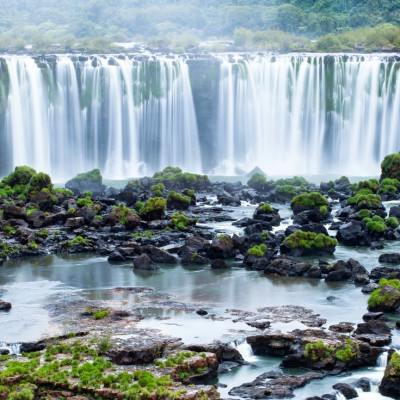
(274, 344)
(274, 385)
(144, 263)
(390, 258)
(128, 197)
(346, 390)
(342, 327)
(226, 367)
(38, 219)
(287, 266)
(86, 213)
(4, 352)
(364, 384)
(353, 233)
(221, 248)
(74, 223)
(375, 315)
(390, 300)
(390, 384)
(87, 182)
(116, 256)
(201, 312)
(395, 212)
(227, 200)
(197, 369)
(373, 326)
(219, 264)
(4, 305)
(370, 287)
(157, 255)
(398, 324)
(30, 347)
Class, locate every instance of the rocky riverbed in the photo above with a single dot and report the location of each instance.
(177, 268)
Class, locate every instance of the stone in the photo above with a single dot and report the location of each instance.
(346, 390)
(389, 258)
(352, 233)
(5, 305)
(74, 223)
(157, 255)
(390, 384)
(144, 262)
(219, 264)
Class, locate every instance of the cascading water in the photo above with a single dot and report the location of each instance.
(13, 348)
(133, 115)
(126, 117)
(245, 350)
(301, 114)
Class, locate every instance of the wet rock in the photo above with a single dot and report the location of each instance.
(342, 327)
(398, 324)
(274, 385)
(86, 213)
(390, 384)
(144, 263)
(370, 287)
(30, 347)
(12, 211)
(287, 266)
(347, 391)
(353, 234)
(395, 212)
(74, 223)
(78, 186)
(221, 248)
(227, 200)
(5, 305)
(384, 272)
(275, 344)
(390, 258)
(375, 315)
(227, 366)
(364, 384)
(309, 227)
(390, 300)
(38, 219)
(375, 332)
(224, 352)
(4, 352)
(219, 264)
(116, 256)
(201, 312)
(157, 255)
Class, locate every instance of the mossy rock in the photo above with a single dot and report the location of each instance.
(176, 201)
(308, 243)
(257, 181)
(173, 178)
(154, 208)
(390, 385)
(87, 181)
(390, 167)
(386, 298)
(310, 201)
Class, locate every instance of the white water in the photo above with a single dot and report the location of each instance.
(302, 114)
(127, 117)
(287, 114)
(13, 348)
(245, 350)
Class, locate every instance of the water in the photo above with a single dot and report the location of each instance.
(131, 116)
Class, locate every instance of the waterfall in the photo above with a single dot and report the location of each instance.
(245, 350)
(288, 114)
(302, 114)
(124, 116)
(13, 348)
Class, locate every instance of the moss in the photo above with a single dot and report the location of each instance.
(258, 250)
(309, 240)
(9, 230)
(391, 166)
(348, 352)
(146, 234)
(157, 189)
(122, 212)
(364, 199)
(179, 221)
(289, 190)
(257, 181)
(101, 314)
(78, 241)
(323, 210)
(392, 222)
(364, 213)
(175, 174)
(318, 351)
(173, 196)
(311, 200)
(154, 205)
(139, 206)
(21, 176)
(85, 202)
(375, 224)
(4, 250)
(191, 192)
(24, 394)
(265, 235)
(64, 192)
(394, 363)
(33, 245)
(266, 208)
(43, 233)
(376, 299)
(371, 184)
(98, 217)
(91, 176)
(39, 182)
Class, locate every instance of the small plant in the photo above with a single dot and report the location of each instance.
(308, 240)
(157, 189)
(392, 222)
(257, 181)
(258, 250)
(311, 200)
(179, 221)
(266, 208)
(43, 233)
(9, 230)
(101, 314)
(364, 213)
(78, 241)
(33, 245)
(318, 351)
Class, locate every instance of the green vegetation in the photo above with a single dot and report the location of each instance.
(319, 351)
(157, 190)
(392, 222)
(177, 197)
(311, 200)
(91, 176)
(394, 363)
(179, 221)
(9, 230)
(364, 213)
(389, 185)
(375, 224)
(63, 192)
(171, 175)
(365, 194)
(44, 233)
(78, 241)
(257, 181)
(258, 250)
(154, 208)
(377, 298)
(288, 190)
(390, 167)
(266, 208)
(176, 359)
(122, 213)
(146, 234)
(309, 240)
(101, 314)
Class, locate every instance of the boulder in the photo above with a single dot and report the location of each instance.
(157, 255)
(389, 300)
(4, 305)
(390, 384)
(144, 263)
(347, 391)
(221, 248)
(389, 258)
(353, 233)
(219, 264)
(74, 223)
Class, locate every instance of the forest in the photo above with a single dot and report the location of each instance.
(96, 25)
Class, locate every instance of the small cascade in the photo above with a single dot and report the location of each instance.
(245, 350)
(13, 348)
(340, 396)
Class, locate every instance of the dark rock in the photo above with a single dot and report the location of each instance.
(391, 300)
(128, 197)
(375, 315)
(157, 255)
(353, 233)
(395, 212)
(227, 200)
(331, 298)
(398, 324)
(390, 384)
(219, 264)
(144, 263)
(38, 219)
(227, 366)
(274, 385)
(30, 347)
(376, 245)
(221, 248)
(390, 258)
(4, 305)
(223, 351)
(373, 326)
(78, 186)
(272, 344)
(370, 287)
(86, 213)
(364, 384)
(74, 223)
(343, 327)
(201, 312)
(4, 352)
(116, 256)
(346, 390)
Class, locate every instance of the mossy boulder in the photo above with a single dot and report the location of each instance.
(390, 384)
(173, 178)
(387, 297)
(154, 208)
(87, 181)
(308, 243)
(222, 247)
(257, 181)
(176, 201)
(310, 201)
(390, 167)
(125, 216)
(265, 212)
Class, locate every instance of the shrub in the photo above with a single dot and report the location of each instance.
(157, 189)
(266, 208)
(392, 222)
(21, 176)
(78, 241)
(154, 206)
(318, 351)
(289, 190)
(364, 200)
(391, 167)
(179, 221)
(173, 196)
(258, 250)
